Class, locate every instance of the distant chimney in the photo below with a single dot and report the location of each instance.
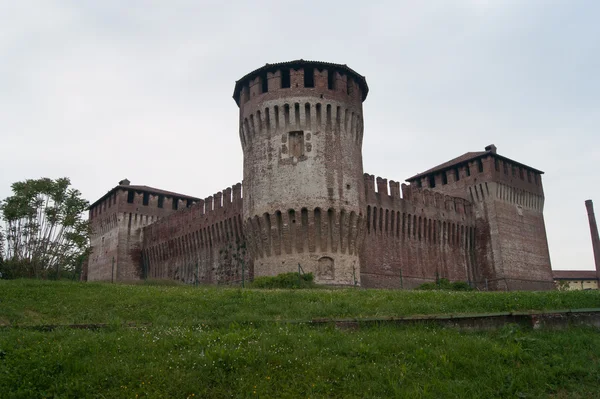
(491, 148)
(594, 231)
(124, 182)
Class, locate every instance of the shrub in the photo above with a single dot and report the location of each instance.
(12, 269)
(159, 282)
(461, 286)
(22, 268)
(445, 284)
(285, 280)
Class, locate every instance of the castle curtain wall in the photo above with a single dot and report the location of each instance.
(508, 201)
(204, 243)
(415, 238)
(476, 218)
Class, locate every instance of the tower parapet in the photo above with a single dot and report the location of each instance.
(301, 130)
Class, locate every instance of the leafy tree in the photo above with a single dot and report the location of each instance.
(1, 251)
(1, 245)
(45, 229)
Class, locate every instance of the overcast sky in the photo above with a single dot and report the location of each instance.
(102, 90)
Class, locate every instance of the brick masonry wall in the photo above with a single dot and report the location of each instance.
(303, 185)
(416, 237)
(508, 200)
(104, 240)
(117, 237)
(306, 202)
(205, 242)
(519, 233)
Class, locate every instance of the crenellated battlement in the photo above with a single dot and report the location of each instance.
(204, 242)
(276, 80)
(216, 208)
(307, 204)
(380, 192)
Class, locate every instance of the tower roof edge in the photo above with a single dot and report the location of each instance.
(362, 82)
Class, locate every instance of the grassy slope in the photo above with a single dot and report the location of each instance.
(299, 361)
(178, 357)
(41, 302)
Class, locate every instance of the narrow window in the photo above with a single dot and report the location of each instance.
(497, 165)
(285, 79)
(331, 79)
(246, 96)
(529, 176)
(146, 199)
(130, 196)
(456, 174)
(264, 83)
(189, 203)
(419, 184)
(174, 204)
(480, 165)
(505, 167)
(468, 170)
(444, 178)
(514, 171)
(161, 200)
(309, 77)
(349, 87)
(432, 181)
(521, 173)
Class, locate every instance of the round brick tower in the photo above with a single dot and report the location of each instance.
(301, 129)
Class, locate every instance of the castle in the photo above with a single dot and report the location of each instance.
(306, 204)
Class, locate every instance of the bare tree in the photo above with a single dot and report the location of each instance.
(45, 229)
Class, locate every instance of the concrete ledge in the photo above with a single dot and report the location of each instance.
(551, 319)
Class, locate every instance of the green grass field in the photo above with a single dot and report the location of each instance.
(218, 342)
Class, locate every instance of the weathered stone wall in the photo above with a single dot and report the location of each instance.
(414, 238)
(520, 235)
(105, 220)
(204, 243)
(116, 239)
(306, 202)
(508, 199)
(303, 186)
